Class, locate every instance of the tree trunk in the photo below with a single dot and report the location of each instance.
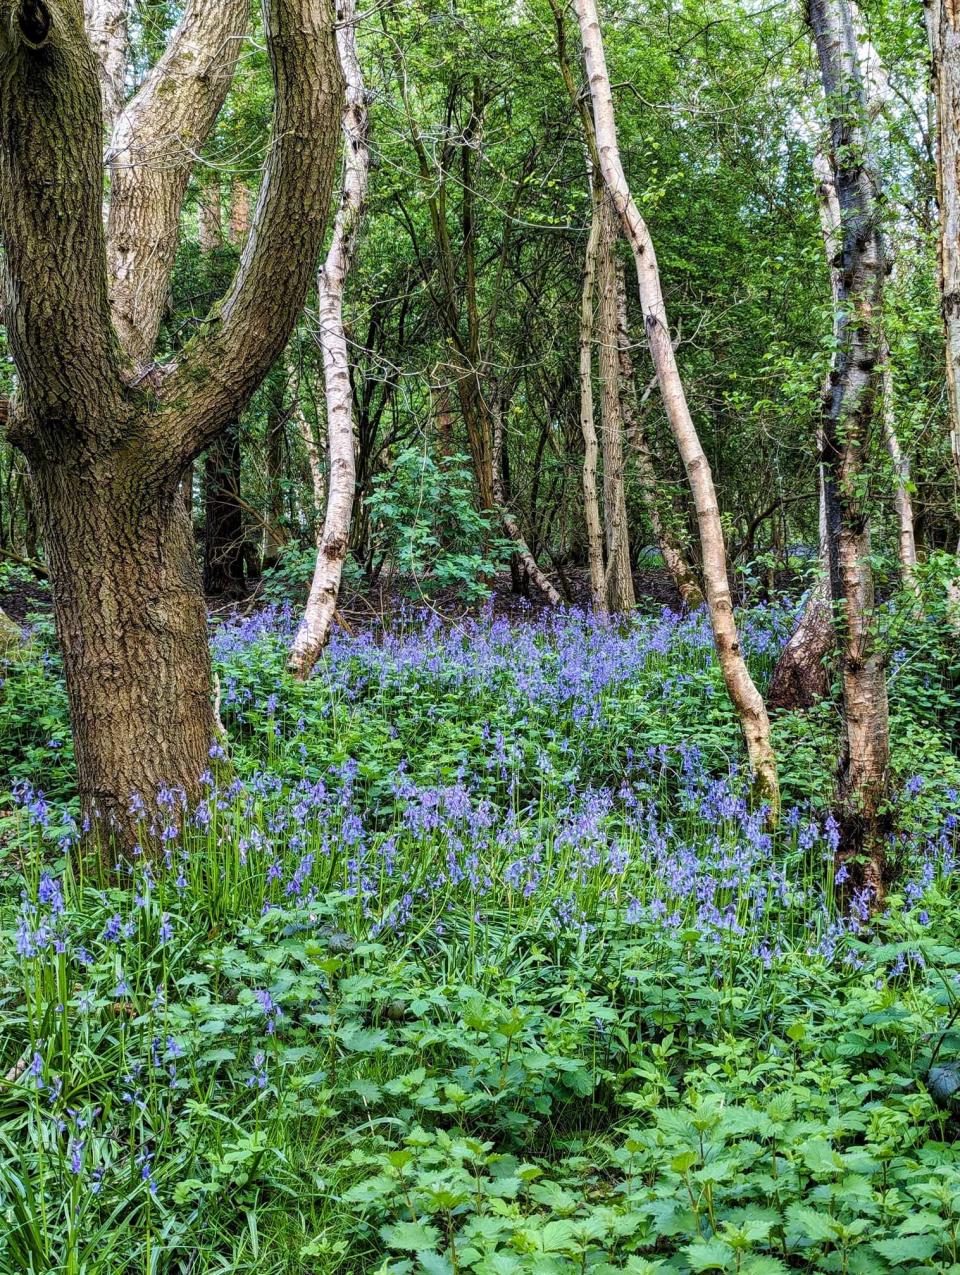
(591, 450)
(107, 28)
(274, 534)
(847, 427)
(744, 695)
(618, 578)
(314, 630)
(902, 502)
(524, 557)
(133, 634)
(107, 432)
(674, 559)
(943, 30)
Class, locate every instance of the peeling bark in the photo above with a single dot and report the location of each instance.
(744, 695)
(314, 630)
(846, 431)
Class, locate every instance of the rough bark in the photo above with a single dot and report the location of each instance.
(314, 629)
(943, 30)
(525, 558)
(618, 579)
(674, 559)
(847, 427)
(151, 156)
(107, 452)
(588, 428)
(744, 695)
(107, 29)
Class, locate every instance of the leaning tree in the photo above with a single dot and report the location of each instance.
(107, 430)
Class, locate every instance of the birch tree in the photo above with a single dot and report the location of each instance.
(744, 695)
(847, 432)
(107, 432)
(314, 629)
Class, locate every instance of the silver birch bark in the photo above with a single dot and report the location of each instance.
(591, 504)
(744, 695)
(314, 629)
(847, 425)
(680, 571)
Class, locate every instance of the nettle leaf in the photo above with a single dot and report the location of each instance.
(709, 1255)
(819, 1227)
(908, 1249)
(362, 1040)
(415, 1237)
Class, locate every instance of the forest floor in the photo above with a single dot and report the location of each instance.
(477, 959)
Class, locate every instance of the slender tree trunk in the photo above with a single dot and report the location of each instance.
(943, 29)
(618, 578)
(223, 527)
(591, 450)
(847, 429)
(274, 534)
(902, 502)
(744, 695)
(674, 559)
(314, 630)
(526, 559)
(223, 524)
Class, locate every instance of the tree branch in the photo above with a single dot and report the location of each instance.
(221, 368)
(151, 156)
(51, 148)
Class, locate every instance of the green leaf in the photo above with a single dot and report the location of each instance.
(412, 1236)
(908, 1249)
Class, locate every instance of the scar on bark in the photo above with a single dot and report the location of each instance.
(34, 21)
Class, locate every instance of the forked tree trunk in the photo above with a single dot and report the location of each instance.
(106, 432)
(847, 434)
(618, 579)
(674, 559)
(744, 695)
(591, 450)
(314, 630)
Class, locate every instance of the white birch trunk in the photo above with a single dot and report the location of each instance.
(314, 630)
(744, 695)
(591, 504)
